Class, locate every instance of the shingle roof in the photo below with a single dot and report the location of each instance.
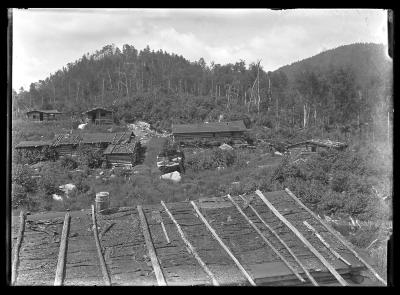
(321, 142)
(127, 148)
(45, 111)
(25, 144)
(106, 137)
(209, 127)
(92, 138)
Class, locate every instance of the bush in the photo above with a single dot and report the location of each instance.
(22, 175)
(69, 163)
(210, 159)
(92, 158)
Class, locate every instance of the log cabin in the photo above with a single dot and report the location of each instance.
(43, 115)
(315, 145)
(212, 131)
(99, 115)
(122, 154)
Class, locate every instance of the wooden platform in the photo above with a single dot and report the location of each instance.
(127, 257)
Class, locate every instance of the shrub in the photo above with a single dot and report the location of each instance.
(92, 158)
(22, 175)
(69, 163)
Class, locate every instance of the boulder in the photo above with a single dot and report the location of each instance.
(225, 147)
(174, 176)
(57, 197)
(82, 126)
(67, 188)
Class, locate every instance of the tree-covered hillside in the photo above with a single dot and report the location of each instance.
(343, 86)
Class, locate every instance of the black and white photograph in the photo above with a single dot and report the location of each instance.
(200, 147)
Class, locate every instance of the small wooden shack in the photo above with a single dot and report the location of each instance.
(99, 115)
(66, 144)
(43, 115)
(122, 154)
(233, 130)
(315, 145)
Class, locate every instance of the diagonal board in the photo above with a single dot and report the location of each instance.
(191, 248)
(337, 235)
(62, 255)
(266, 240)
(303, 239)
(150, 247)
(215, 235)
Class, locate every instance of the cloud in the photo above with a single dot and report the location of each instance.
(45, 40)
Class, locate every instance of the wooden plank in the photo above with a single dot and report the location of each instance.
(313, 281)
(103, 264)
(150, 247)
(245, 273)
(17, 247)
(338, 236)
(336, 254)
(60, 271)
(266, 240)
(191, 248)
(303, 239)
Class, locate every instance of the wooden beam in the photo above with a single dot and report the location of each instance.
(313, 281)
(17, 247)
(265, 239)
(150, 248)
(191, 248)
(60, 271)
(103, 264)
(337, 235)
(303, 239)
(222, 244)
(336, 254)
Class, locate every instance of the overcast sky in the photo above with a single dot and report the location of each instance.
(45, 40)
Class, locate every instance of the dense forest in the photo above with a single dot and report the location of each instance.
(348, 86)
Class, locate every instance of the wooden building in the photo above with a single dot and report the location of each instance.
(43, 115)
(66, 144)
(315, 145)
(33, 145)
(210, 131)
(99, 115)
(122, 154)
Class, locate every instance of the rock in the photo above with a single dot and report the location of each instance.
(67, 188)
(278, 153)
(82, 126)
(57, 197)
(225, 147)
(174, 176)
(101, 173)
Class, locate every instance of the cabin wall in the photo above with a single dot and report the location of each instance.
(208, 135)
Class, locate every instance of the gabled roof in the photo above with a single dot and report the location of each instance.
(320, 142)
(97, 108)
(26, 144)
(45, 111)
(127, 148)
(209, 127)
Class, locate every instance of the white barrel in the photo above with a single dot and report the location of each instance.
(102, 201)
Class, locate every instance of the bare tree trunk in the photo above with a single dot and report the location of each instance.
(77, 92)
(305, 116)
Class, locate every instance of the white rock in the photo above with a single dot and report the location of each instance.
(82, 126)
(57, 197)
(225, 147)
(278, 153)
(67, 188)
(174, 176)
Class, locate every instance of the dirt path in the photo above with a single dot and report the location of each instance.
(153, 148)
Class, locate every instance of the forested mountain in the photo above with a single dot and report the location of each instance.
(348, 84)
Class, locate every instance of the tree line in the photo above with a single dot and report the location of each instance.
(164, 88)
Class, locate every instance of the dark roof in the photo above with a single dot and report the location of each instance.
(320, 142)
(209, 127)
(127, 148)
(45, 111)
(116, 137)
(97, 108)
(264, 266)
(25, 144)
